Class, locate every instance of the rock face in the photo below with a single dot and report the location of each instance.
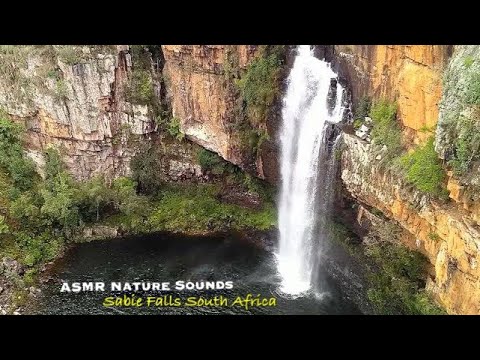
(74, 99)
(205, 103)
(78, 108)
(409, 74)
(446, 234)
(458, 128)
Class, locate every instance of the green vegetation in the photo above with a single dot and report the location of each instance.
(468, 61)
(146, 166)
(210, 161)
(259, 85)
(397, 281)
(395, 274)
(424, 170)
(69, 54)
(386, 130)
(466, 146)
(363, 108)
(472, 96)
(20, 169)
(174, 129)
(433, 236)
(139, 89)
(197, 209)
(258, 88)
(357, 124)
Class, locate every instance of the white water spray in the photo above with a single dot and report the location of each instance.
(305, 114)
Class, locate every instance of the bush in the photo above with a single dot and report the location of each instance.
(196, 209)
(473, 90)
(210, 161)
(174, 129)
(259, 85)
(139, 89)
(424, 170)
(146, 170)
(397, 282)
(363, 108)
(357, 124)
(386, 130)
(19, 168)
(466, 146)
(4, 229)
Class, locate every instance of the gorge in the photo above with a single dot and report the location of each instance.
(138, 139)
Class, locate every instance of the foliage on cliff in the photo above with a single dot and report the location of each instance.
(259, 85)
(397, 281)
(258, 89)
(386, 129)
(458, 132)
(424, 170)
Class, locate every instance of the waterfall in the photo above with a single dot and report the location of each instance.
(312, 101)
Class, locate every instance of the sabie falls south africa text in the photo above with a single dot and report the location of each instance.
(306, 192)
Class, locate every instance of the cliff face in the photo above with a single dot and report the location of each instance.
(409, 74)
(446, 234)
(206, 102)
(74, 103)
(429, 87)
(74, 99)
(77, 99)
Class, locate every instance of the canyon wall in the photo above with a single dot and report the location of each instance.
(409, 74)
(445, 233)
(430, 85)
(76, 99)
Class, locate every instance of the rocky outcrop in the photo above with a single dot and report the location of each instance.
(75, 104)
(206, 103)
(446, 233)
(411, 75)
(75, 99)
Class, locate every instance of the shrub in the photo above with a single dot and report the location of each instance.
(259, 85)
(146, 169)
(69, 54)
(363, 107)
(386, 130)
(357, 124)
(139, 88)
(210, 161)
(197, 209)
(4, 229)
(472, 96)
(466, 146)
(397, 282)
(12, 159)
(424, 170)
(468, 61)
(174, 129)
(433, 236)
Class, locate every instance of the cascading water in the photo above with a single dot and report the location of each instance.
(306, 185)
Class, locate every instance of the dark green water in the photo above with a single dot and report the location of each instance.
(163, 258)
